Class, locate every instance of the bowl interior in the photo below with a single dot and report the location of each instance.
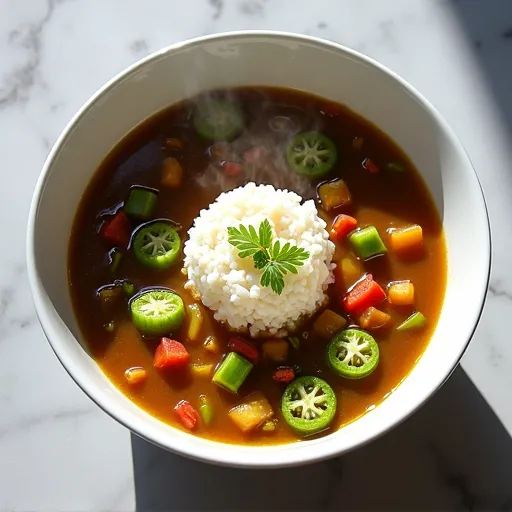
(276, 60)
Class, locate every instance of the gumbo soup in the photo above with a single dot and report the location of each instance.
(257, 266)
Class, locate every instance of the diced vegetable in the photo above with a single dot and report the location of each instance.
(252, 412)
(244, 348)
(353, 354)
(334, 194)
(141, 203)
(157, 245)
(275, 350)
(370, 165)
(232, 372)
(171, 173)
(328, 324)
(157, 312)
(136, 375)
(206, 409)
(396, 167)
(401, 293)
(373, 318)
(202, 370)
(342, 226)
(187, 415)
(269, 426)
(195, 321)
(308, 405)
(211, 344)
(232, 168)
(110, 326)
(364, 294)
(117, 230)
(218, 119)
(115, 256)
(173, 143)
(415, 321)
(367, 242)
(284, 374)
(406, 239)
(357, 143)
(109, 295)
(170, 354)
(312, 154)
(348, 271)
(294, 342)
(128, 289)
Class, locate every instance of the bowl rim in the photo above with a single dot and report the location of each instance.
(229, 457)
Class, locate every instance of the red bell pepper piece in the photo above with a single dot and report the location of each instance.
(170, 354)
(342, 226)
(232, 168)
(117, 230)
(362, 295)
(284, 374)
(244, 348)
(186, 413)
(370, 165)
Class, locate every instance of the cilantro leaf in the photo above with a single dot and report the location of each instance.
(272, 277)
(265, 233)
(274, 260)
(245, 240)
(260, 259)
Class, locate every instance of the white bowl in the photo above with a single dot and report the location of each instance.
(275, 59)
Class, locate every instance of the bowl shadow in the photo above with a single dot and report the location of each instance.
(452, 454)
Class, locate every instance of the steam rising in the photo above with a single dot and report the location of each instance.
(269, 127)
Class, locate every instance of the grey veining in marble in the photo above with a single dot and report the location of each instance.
(58, 451)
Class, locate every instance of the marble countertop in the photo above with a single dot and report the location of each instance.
(58, 451)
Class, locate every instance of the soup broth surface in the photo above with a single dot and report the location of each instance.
(388, 198)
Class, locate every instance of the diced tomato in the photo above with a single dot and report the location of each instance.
(117, 230)
(253, 155)
(284, 374)
(244, 348)
(342, 226)
(170, 354)
(186, 413)
(232, 168)
(364, 294)
(370, 165)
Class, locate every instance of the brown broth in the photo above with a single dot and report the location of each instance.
(386, 199)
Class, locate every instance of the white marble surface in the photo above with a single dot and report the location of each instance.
(58, 451)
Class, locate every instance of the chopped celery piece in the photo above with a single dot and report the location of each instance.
(110, 327)
(195, 321)
(115, 259)
(269, 426)
(367, 242)
(415, 321)
(394, 166)
(128, 289)
(141, 203)
(232, 372)
(294, 342)
(206, 409)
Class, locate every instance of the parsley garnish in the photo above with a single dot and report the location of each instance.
(274, 260)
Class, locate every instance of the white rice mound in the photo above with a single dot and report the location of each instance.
(230, 285)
